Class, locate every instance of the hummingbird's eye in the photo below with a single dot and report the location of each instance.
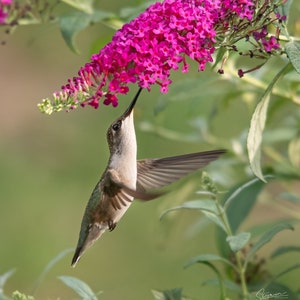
(117, 125)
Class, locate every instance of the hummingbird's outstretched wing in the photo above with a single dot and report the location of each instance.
(159, 172)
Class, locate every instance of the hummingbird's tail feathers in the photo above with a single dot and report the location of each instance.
(159, 172)
(76, 257)
(87, 240)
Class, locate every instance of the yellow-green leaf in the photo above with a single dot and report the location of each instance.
(293, 52)
(257, 125)
(254, 140)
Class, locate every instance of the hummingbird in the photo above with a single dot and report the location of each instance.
(126, 178)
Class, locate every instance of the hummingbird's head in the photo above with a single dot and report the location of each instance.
(121, 132)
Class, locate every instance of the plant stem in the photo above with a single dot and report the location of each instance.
(241, 270)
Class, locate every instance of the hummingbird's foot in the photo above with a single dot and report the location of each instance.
(111, 225)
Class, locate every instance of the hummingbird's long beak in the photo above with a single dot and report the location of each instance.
(132, 104)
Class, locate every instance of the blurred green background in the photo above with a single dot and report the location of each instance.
(49, 166)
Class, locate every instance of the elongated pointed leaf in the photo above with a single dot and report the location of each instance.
(174, 294)
(220, 54)
(240, 200)
(3, 278)
(284, 250)
(267, 237)
(238, 203)
(216, 219)
(293, 52)
(206, 206)
(71, 24)
(74, 22)
(49, 266)
(254, 140)
(80, 287)
(257, 126)
(258, 230)
(203, 204)
(287, 270)
(237, 242)
(129, 13)
(207, 258)
(228, 284)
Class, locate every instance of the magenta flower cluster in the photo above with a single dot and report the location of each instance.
(149, 47)
(4, 4)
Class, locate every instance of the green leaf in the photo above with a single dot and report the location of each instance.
(287, 270)
(80, 287)
(228, 284)
(238, 203)
(237, 242)
(267, 237)
(128, 13)
(174, 294)
(220, 54)
(285, 249)
(74, 22)
(3, 278)
(257, 126)
(207, 258)
(206, 206)
(49, 266)
(254, 139)
(85, 6)
(71, 24)
(260, 229)
(293, 52)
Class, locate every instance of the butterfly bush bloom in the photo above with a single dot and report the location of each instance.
(4, 4)
(147, 49)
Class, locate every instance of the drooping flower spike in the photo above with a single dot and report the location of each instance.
(145, 50)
